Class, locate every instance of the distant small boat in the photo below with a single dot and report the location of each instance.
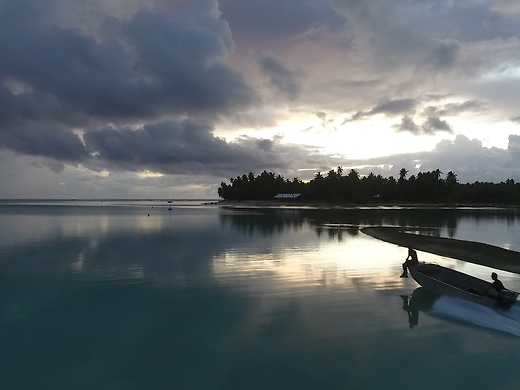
(444, 280)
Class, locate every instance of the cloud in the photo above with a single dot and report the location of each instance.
(415, 49)
(443, 56)
(408, 124)
(394, 106)
(35, 177)
(55, 79)
(274, 20)
(149, 65)
(431, 125)
(390, 107)
(189, 147)
(472, 161)
(140, 77)
(514, 144)
(281, 77)
(38, 124)
(432, 114)
(467, 157)
(506, 7)
(118, 90)
(452, 109)
(321, 115)
(434, 124)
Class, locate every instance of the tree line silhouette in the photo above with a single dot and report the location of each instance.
(335, 186)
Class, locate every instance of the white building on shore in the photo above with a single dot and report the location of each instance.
(287, 196)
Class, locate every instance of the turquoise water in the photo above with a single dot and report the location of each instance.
(104, 296)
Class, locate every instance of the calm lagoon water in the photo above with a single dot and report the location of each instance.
(103, 296)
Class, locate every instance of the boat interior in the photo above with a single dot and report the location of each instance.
(467, 283)
(457, 279)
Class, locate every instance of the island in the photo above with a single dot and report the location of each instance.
(431, 187)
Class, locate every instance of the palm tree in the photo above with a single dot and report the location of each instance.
(353, 175)
(402, 175)
(451, 178)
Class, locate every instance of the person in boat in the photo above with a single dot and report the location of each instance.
(504, 297)
(497, 284)
(411, 259)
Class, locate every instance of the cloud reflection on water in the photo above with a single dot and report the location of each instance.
(205, 297)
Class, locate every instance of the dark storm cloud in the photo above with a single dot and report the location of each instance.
(390, 107)
(167, 145)
(22, 106)
(281, 77)
(55, 78)
(23, 130)
(132, 70)
(190, 147)
(151, 64)
(43, 139)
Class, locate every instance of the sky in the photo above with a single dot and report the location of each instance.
(167, 98)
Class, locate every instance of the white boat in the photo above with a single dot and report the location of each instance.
(444, 280)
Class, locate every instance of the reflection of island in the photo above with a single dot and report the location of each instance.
(264, 222)
(462, 311)
(336, 232)
(336, 222)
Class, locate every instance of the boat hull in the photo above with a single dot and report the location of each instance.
(442, 280)
(462, 311)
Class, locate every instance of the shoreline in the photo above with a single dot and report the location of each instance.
(246, 204)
